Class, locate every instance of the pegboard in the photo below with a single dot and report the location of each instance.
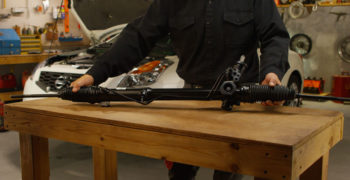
(30, 17)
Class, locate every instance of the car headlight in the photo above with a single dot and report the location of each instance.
(145, 74)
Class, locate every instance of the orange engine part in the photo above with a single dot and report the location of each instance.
(313, 86)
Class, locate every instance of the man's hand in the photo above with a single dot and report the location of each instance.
(271, 79)
(85, 80)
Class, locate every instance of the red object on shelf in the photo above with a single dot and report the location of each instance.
(25, 76)
(341, 86)
(7, 81)
(2, 116)
(277, 2)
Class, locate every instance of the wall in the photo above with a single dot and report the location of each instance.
(32, 18)
(326, 32)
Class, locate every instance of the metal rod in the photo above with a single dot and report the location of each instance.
(322, 97)
(130, 94)
(35, 95)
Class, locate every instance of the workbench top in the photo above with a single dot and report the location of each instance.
(277, 125)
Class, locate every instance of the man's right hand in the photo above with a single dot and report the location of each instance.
(271, 79)
(85, 80)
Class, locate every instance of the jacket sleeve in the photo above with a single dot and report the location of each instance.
(274, 39)
(133, 44)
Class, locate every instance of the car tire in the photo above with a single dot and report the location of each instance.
(294, 82)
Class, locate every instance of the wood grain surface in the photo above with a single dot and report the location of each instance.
(34, 157)
(266, 142)
(285, 126)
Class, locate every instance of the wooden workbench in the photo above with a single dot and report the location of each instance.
(266, 142)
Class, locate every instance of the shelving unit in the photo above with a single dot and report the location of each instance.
(30, 43)
(321, 4)
(23, 59)
(287, 5)
(19, 59)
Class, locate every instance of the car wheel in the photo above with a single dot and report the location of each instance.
(294, 83)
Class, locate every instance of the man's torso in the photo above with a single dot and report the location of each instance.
(211, 35)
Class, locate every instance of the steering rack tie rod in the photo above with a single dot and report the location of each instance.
(231, 95)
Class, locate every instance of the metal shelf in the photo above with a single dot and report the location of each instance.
(333, 4)
(321, 4)
(287, 5)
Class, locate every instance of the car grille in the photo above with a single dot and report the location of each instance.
(54, 81)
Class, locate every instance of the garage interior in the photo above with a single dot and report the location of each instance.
(325, 23)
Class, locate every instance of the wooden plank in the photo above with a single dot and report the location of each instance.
(26, 49)
(30, 40)
(312, 150)
(318, 171)
(26, 156)
(322, 4)
(266, 161)
(23, 59)
(34, 157)
(41, 158)
(99, 163)
(287, 5)
(111, 165)
(31, 45)
(204, 119)
(105, 164)
(333, 4)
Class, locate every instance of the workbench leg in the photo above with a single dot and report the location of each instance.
(34, 157)
(318, 171)
(105, 164)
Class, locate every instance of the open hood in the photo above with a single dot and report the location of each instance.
(100, 19)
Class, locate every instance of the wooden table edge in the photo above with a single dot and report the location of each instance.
(14, 109)
(9, 107)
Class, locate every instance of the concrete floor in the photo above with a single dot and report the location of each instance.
(73, 162)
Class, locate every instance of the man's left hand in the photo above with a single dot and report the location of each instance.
(271, 79)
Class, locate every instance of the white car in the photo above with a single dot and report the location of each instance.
(59, 71)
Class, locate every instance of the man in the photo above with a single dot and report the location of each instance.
(208, 36)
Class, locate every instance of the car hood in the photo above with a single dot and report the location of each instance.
(100, 19)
